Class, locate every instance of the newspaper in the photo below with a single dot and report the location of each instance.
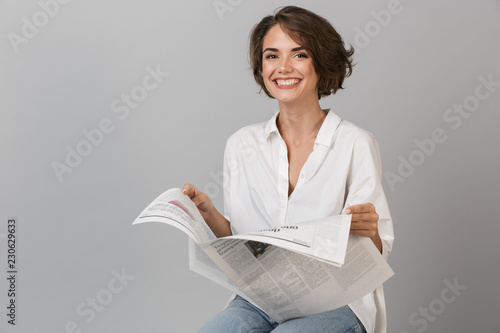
(289, 271)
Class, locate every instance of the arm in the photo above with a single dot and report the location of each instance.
(217, 223)
(365, 194)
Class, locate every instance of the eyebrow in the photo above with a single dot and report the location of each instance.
(295, 49)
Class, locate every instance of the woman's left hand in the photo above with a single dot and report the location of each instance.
(364, 222)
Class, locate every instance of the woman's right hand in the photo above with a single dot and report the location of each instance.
(200, 199)
(218, 223)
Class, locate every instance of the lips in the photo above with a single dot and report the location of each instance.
(286, 83)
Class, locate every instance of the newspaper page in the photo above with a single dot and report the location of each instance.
(176, 209)
(288, 272)
(324, 239)
(287, 284)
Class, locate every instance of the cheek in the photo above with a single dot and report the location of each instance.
(266, 73)
(309, 69)
(313, 76)
(267, 70)
(269, 85)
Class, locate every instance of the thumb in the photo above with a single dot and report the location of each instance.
(190, 191)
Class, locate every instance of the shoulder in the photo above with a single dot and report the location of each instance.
(359, 142)
(354, 133)
(364, 150)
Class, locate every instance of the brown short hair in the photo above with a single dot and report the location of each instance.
(332, 61)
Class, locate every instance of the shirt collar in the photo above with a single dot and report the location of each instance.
(270, 126)
(325, 134)
(330, 124)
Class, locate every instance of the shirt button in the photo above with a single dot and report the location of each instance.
(302, 176)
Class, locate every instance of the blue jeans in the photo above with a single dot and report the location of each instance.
(242, 317)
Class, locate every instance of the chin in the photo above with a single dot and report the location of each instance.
(285, 97)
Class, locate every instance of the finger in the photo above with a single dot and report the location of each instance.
(202, 201)
(364, 225)
(190, 190)
(365, 217)
(361, 208)
(197, 201)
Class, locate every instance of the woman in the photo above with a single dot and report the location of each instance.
(302, 164)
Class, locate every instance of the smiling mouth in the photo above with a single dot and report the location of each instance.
(286, 83)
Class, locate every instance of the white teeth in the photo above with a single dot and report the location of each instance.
(290, 82)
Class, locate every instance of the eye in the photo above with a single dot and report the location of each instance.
(270, 56)
(302, 55)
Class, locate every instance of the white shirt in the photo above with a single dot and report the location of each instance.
(343, 169)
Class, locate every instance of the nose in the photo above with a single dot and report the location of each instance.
(285, 66)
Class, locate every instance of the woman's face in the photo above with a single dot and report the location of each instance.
(287, 68)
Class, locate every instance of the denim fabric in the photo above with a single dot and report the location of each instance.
(242, 317)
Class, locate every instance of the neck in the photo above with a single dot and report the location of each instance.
(300, 122)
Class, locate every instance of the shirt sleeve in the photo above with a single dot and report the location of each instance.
(364, 185)
(228, 166)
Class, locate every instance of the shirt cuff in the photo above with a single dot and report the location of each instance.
(385, 250)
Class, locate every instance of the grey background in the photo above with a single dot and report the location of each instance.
(73, 233)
